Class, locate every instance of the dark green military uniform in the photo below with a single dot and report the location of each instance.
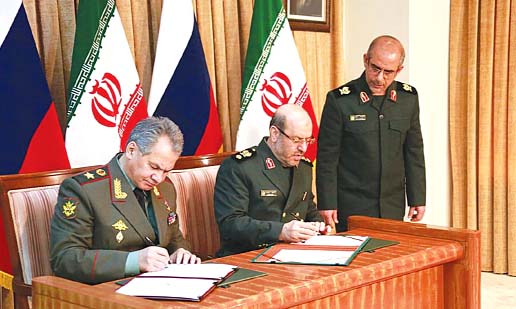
(255, 196)
(370, 149)
(98, 221)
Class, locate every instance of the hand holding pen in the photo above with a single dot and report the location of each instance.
(298, 230)
(323, 228)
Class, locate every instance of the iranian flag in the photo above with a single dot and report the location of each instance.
(273, 75)
(105, 97)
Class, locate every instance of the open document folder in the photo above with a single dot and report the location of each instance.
(178, 281)
(318, 250)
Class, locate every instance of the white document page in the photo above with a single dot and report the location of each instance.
(179, 288)
(208, 271)
(312, 256)
(336, 240)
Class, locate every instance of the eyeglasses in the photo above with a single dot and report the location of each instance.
(298, 140)
(377, 70)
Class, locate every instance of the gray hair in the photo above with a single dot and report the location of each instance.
(147, 132)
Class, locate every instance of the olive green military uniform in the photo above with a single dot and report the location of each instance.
(97, 221)
(255, 196)
(370, 152)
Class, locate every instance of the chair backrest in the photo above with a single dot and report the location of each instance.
(194, 179)
(27, 202)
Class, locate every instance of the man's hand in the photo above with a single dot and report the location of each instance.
(152, 258)
(296, 231)
(182, 256)
(416, 213)
(330, 217)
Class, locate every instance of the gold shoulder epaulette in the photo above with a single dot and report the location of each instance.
(92, 175)
(245, 154)
(407, 88)
(343, 90)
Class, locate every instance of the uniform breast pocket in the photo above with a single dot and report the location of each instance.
(398, 130)
(360, 127)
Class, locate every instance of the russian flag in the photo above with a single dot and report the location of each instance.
(29, 126)
(181, 87)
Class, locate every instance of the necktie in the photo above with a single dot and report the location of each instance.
(141, 197)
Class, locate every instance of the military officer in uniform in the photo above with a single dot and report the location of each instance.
(370, 150)
(264, 194)
(120, 219)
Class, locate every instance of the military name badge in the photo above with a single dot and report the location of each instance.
(117, 185)
(171, 218)
(357, 117)
(119, 226)
(69, 207)
(268, 193)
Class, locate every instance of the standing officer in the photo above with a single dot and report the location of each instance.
(264, 194)
(370, 150)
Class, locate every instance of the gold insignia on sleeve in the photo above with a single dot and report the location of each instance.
(156, 191)
(100, 172)
(89, 175)
(407, 87)
(119, 226)
(69, 209)
(119, 194)
(344, 90)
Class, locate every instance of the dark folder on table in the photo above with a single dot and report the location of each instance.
(241, 274)
(377, 243)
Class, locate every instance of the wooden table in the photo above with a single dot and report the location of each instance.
(432, 267)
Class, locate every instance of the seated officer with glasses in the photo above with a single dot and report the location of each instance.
(370, 151)
(264, 194)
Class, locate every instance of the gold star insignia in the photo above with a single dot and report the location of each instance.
(89, 175)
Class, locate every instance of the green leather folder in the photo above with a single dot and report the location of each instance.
(241, 274)
(376, 243)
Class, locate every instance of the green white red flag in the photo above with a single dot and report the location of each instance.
(273, 75)
(105, 95)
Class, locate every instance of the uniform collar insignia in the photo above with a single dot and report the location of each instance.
(393, 95)
(364, 97)
(270, 163)
(119, 193)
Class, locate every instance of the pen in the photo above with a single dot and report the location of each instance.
(149, 241)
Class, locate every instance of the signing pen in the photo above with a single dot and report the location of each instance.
(149, 241)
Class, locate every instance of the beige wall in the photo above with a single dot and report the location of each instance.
(423, 27)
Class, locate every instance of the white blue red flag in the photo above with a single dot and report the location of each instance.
(29, 126)
(181, 88)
